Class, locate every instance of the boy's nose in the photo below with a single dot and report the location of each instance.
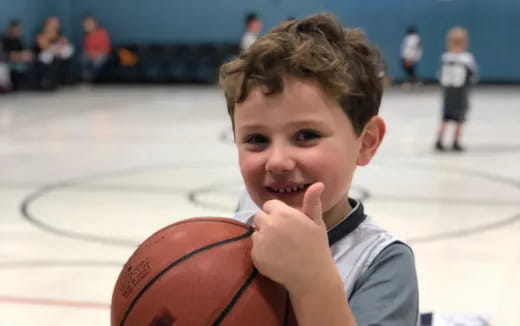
(280, 160)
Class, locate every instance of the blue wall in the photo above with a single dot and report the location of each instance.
(31, 12)
(494, 28)
(494, 25)
(189, 20)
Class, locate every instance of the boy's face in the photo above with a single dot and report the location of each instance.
(290, 140)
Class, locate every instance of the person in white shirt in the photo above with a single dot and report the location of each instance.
(411, 53)
(253, 28)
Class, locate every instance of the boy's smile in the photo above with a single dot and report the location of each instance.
(290, 140)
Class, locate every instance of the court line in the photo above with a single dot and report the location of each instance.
(53, 302)
(41, 191)
(57, 263)
(465, 232)
(192, 197)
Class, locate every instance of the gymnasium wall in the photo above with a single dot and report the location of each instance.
(31, 12)
(494, 29)
(494, 25)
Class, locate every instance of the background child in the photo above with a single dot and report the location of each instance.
(458, 72)
(253, 27)
(304, 102)
(411, 53)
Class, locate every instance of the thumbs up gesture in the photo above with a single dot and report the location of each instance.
(291, 246)
(312, 203)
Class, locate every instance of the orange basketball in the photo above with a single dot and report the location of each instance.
(198, 272)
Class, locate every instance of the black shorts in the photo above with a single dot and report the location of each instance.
(455, 104)
(410, 70)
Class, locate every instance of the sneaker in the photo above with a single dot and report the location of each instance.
(457, 148)
(439, 147)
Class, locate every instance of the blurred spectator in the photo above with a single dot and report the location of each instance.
(253, 28)
(411, 53)
(96, 48)
(54, 53)
(18, 57)
(5, 81)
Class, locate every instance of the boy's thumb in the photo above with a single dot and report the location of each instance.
(312, 201)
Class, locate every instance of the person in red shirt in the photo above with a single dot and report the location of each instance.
(96, 48)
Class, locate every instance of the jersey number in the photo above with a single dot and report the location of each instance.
(453, 75)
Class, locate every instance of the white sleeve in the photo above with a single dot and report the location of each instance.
(246, 209)
(472, 65)
(247, 40)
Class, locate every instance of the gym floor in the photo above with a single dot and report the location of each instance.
(87, 173)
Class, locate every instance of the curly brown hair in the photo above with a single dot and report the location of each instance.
(317, 48)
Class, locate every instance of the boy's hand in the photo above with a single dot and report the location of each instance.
(291, 246)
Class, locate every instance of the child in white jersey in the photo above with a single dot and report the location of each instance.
(303, 102)
(458, 72)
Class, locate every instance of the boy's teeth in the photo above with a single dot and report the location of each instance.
(283, 190)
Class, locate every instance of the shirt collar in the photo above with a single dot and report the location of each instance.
(349, 223)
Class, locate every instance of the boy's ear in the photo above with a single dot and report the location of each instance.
(371, 138)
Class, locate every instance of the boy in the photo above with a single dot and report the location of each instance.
(458, 72)
(303, 102)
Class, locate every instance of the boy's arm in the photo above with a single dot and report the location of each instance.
(322, 301)
(386, 294)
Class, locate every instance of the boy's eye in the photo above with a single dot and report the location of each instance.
(306, 135)
(256, 139)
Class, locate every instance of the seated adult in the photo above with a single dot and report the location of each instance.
(96, 49)
(5, 79)
(54, 53)
(18, 57)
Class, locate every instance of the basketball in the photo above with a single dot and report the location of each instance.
(198, 272)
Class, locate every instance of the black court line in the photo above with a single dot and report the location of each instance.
(466, 232)
(126, 189)
(448, 200)
(501, 223)
(515, 183)
(25, 210)
(192, 197)
(56, 230)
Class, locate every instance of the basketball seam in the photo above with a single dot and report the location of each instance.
(235, 298)
(236, 223)
(178, 261)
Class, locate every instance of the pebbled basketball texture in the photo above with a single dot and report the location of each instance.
(198, 272)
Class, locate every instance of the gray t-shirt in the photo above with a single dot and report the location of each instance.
(387, 293)
(378, 270)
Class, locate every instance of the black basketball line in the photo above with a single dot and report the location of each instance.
(235, 298)
(201, 219)
(178, 261)
(211, 219)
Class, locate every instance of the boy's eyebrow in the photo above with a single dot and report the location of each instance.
(256, 126)
(307, 122)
